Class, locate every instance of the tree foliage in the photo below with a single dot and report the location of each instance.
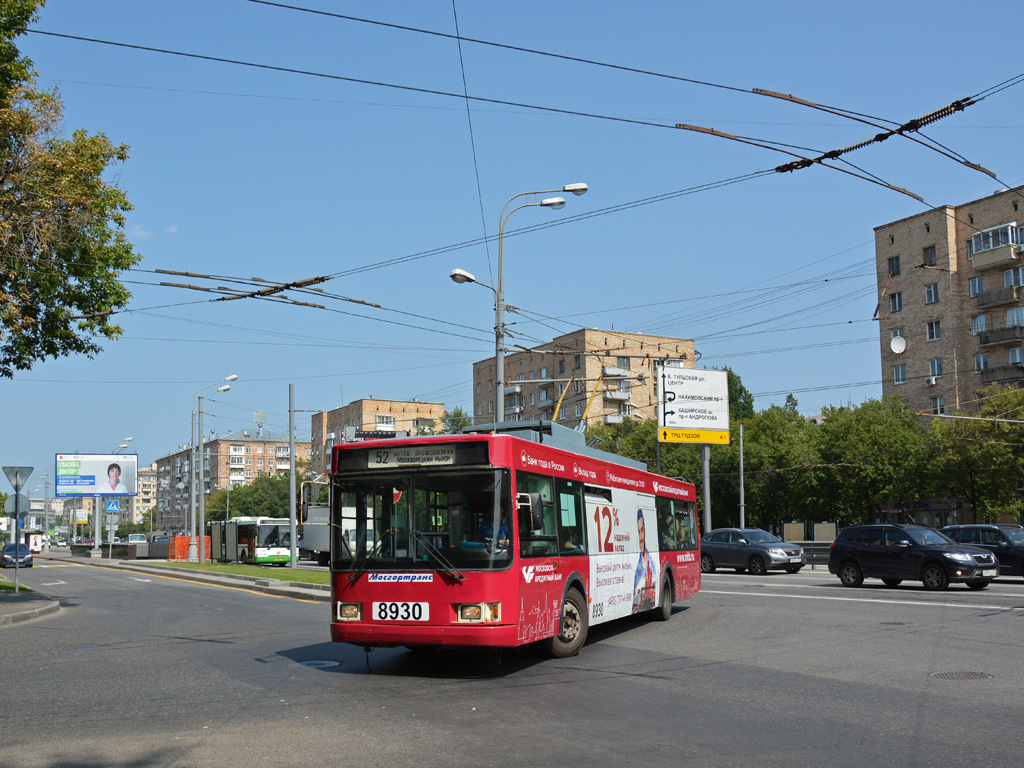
(265, 497)
(62, 244)
(455, 420)
(861, 462)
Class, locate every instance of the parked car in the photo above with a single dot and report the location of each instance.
(19, 552)
(749, 549)
(1006, 542)
(894, 553)
(136, 538)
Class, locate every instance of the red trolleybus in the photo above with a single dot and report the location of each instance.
(502, 539)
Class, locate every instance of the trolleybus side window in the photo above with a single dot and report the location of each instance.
(572, 536)
(543, 541)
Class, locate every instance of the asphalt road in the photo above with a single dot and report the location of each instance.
(781, 670)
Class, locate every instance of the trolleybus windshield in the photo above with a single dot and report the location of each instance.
(427, 519)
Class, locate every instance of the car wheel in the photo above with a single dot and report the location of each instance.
(978, 584)
(707, 565)
(793, 568)
(892, 582)
(664, 610)
(572, 630)
(850, 575)
(757, 566)
(934, 577)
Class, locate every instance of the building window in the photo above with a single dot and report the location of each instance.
(981, 362)
(579, 409)
(929, 256)
(979, 324)
(934, 334)
(248, 462)
(561, 366)
(931, 293)
(521, 377)
(996, 237)
(533, 398)
(543, 373)
(248, 473)
(896, 332)
(577, 361)
(938, 405)
(1014, 317)
(895, 302)
(543, 394)
(479, 409)
(578, 386)
(259, 462)
(935, 367)
(490, 407)
(478, 387)
(259, 449)
(976, 286)
(531, 375)
(894, 266)
(899, 374)
(1013, 277)
(1017, 356)
(622, 362)
(490, 385)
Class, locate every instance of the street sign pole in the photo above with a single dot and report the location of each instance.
(18, 477)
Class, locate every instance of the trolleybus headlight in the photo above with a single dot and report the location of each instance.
(480, 612)
(350, 611)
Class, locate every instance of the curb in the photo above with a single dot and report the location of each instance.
(32, 613)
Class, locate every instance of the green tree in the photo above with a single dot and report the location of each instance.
(265, 497)
(877, 456)
(741, 401)
(980, 463)
(62, 244)
(455, 420)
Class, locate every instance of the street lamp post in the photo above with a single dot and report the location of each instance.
(461, 276)
(195, 553)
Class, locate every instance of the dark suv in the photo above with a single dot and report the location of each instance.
(1006, 542)
(893, 553)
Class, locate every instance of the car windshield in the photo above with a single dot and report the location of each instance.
(759, 537)
(1016, 535)
(9, 549)
(926, 537)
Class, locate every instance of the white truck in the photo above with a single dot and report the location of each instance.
(316, 534)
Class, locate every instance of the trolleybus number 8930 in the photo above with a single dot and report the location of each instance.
(401, 611)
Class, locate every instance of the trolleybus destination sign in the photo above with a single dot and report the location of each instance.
(693, 406)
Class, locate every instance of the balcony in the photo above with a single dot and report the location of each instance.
(998, 296)
(513, 389)
(612, 372)
(1004, 255)
(616, 394)
(1011, 335)
(546, 404)
(1005, 374)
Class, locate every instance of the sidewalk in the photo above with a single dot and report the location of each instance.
(31, 605)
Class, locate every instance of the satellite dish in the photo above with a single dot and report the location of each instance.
(898, 344)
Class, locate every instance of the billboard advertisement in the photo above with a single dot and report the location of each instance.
(97, 474)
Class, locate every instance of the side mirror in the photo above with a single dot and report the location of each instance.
(744, 542)
(531, 507)
(1004, 545)
(903, 543)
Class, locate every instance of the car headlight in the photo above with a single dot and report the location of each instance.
(962, 557)
(777, 552)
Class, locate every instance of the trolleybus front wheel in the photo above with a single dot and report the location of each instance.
(572, 630)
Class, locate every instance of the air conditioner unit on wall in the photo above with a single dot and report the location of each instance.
(931, 381)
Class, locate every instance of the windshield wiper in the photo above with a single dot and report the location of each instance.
(363, 565)
(436, 554)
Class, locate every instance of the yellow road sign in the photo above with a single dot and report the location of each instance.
(715, 436)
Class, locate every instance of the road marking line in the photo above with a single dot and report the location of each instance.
(869, 600)
(53, 583)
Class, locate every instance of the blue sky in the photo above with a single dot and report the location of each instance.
(242, 172)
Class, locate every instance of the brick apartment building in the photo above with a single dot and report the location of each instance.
(369, 415)
(951, 313)
(611, 371)
(234, 459)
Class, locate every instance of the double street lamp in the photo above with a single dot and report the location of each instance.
(461, 276)
(197, 554)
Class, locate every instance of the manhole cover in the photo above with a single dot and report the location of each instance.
(317, 664)
(961, 675)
